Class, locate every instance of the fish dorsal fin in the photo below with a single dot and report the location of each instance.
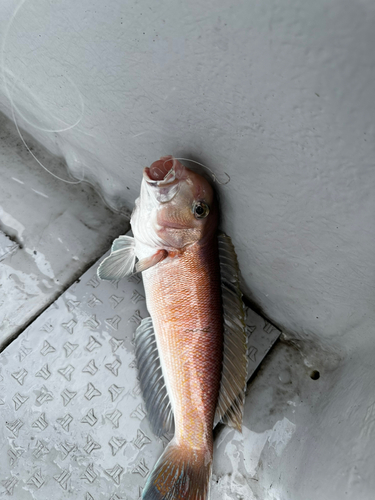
(120, 262)
(151, 380)
(230, 405)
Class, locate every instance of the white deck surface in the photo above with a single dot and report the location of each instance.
(280, 95)
(72, 419)
(50, 232)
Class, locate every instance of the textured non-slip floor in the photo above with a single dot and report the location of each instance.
(72, 420)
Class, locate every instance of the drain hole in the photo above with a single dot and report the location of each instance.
(315, 375)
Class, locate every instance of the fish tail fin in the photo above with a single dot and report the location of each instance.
(181, 473)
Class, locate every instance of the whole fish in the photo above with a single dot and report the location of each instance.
(191, 352)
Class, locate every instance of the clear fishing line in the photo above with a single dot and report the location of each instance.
(67, 127)
(214, 178)
(14, 107)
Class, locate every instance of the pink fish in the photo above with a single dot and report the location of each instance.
(191, 352)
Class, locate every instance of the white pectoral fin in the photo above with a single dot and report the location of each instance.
(121, 261)
(123, 242)
(230, 405)
(148, 262)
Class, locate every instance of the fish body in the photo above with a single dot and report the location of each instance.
(181, 350)
(184, 301)
(185, 306)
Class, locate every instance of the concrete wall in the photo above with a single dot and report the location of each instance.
(278, 94)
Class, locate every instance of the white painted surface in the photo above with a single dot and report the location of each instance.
(281, 96)
(49, 232)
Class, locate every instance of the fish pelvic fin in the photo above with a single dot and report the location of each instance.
(180, 474)
(148, 262)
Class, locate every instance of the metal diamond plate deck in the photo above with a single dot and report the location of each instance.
(72, 419)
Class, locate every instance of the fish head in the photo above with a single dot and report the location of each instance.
(176, 205)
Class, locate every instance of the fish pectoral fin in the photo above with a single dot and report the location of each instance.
(148, 262)
(230, 405)
(151, 380)
(123, 242)
(120, 262)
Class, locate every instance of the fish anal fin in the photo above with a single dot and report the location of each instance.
(230, 405)
(148, 262)
(151, 380)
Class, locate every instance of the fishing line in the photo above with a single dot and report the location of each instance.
(215, 179)
(67, 127)
(51, 130)
(38, 161)
(14, 107)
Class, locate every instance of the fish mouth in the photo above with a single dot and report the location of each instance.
(161, 172)
(163, 177)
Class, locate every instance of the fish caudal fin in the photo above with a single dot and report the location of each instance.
(180, 474)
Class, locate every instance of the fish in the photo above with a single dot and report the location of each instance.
(191, 351)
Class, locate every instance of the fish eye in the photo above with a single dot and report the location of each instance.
(201, 209)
